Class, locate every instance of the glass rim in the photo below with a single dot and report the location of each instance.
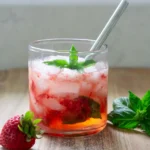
(103, 49)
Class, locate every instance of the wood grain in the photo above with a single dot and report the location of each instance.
(14, 100)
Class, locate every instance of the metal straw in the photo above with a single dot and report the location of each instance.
(110, 24)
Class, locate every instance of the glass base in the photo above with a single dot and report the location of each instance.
(76, 132)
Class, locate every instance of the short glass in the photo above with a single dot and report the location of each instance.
(70, 101)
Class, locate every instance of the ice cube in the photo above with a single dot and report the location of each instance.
(44, 69)
(94, 77)
(51, 58)
(53, 103)
(101, 89)
(69, 75)
(36, 106)
(58, 87)
(100, 65)
(85, 88)
(90, 69)
(41, 83)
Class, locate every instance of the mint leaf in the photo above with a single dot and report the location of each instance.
(122, 116)
(121, 102)
(73, 57)
(59, 63)
(146, 100)
(146, 127)
(73, 61)
(145, 123)
(87, 63)
(95, 109)
(131, 112)
(135, 102)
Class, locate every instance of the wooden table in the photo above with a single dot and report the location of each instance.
(14, 100)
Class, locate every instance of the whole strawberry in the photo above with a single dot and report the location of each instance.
(20, 132)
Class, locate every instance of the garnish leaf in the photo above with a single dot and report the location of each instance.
(145, 123)
(122, 116)
(131, 112)
(121, 102)
(146, 127)
(87, 63)
(73, 57)
(59, 63)
(146, 100)
(73, 61)
(135, 102)
(95, 109)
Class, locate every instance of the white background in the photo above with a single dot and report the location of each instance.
(129, 42)
(67, 1)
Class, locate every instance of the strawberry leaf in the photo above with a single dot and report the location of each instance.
(20, 128)
(29, 126)
(26, 128)
(28, 115)
(37, 121)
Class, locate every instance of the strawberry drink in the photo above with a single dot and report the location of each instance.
(69, 92)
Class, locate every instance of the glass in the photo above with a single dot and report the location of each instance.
(70, 102)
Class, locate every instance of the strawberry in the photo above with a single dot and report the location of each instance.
(80, 109)
(20, 132)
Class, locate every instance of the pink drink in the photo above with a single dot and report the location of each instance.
(56, 95)
(68, 100)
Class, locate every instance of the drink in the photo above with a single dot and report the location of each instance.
(70, 102)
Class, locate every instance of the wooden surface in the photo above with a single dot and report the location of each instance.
(14, 100)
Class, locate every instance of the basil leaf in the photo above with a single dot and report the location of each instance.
(146, 100)
(59, 63)
(135, 102)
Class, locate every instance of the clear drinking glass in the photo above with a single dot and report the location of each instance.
(70, 101)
